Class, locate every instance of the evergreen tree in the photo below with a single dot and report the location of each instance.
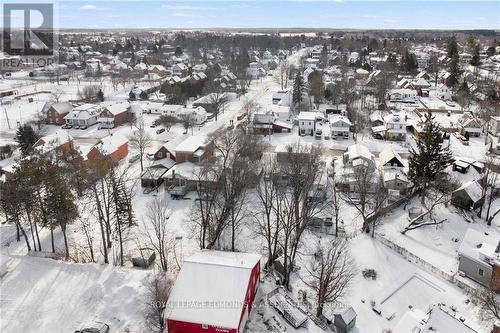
(298, 89)
(430, 158)
(60, 203)
(100, 95)
(463, 95)
(323, 61)
(26, 137)
(409, 62)
(452, 80)
(452, 47)
(476, 59)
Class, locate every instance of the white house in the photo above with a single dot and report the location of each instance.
(198, 114)
(395, 124)
(83, 116)
(402, 95)
(307, 123)
(394, 170)
(339, 127)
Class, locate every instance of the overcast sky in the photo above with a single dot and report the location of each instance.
(304, 13)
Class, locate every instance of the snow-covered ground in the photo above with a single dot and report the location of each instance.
(32, 299)
(45, 295)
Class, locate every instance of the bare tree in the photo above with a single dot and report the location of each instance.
(437, 194)
(56, 95)
(157, 230)
(188, 122)
(489, 301)
(216, 97)
(301, 167)
(266, 221)
(140, 141)
(89, 92)
(366, 192)
(330, 273)
(159, 290)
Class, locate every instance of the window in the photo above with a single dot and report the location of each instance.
(160, 154)
(480, 271)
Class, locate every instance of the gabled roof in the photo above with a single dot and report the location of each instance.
(388, 154)
(358, 150)
(61, 107)
(212, 276)
(110, 143)
(192, 143)
(117, 108)
(473, 190)
(479, 246)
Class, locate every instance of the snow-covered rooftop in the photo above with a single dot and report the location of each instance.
(192, 143)
(211, 276)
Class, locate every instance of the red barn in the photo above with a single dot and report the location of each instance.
(214, 292)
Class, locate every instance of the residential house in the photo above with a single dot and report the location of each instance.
(193, 149)
(59, 144)
(55, 112)
(470, 126)
(394, 170)
(158, 70)
(479, 258)
(395, 124)
(114, 115)
(494, 125)
(267, 123)
(114, 147)
(83, 116)
(221, 277)
(198, 114)
(307, 123)
(179, 69)
(469, 196)
(402, 95)
(152, 177)
(357, 155)
(339, 127)
(208, 102)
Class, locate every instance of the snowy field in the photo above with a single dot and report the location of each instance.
(44, 295)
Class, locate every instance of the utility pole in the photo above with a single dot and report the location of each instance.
(5, 111)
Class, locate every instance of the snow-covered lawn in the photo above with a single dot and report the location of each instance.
(44, 295)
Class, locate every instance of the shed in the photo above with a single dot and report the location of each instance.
(469, 196)
(345, 321)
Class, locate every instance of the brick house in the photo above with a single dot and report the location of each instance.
(113, 146)
(114, 115)
(60, 144)
(194, 149)
(55, 112)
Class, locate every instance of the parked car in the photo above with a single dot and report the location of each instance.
(464, 140)
(319, 134)
(134, 158)
(160, 130)
(153, 125)
(83, 127)
(66, 126)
